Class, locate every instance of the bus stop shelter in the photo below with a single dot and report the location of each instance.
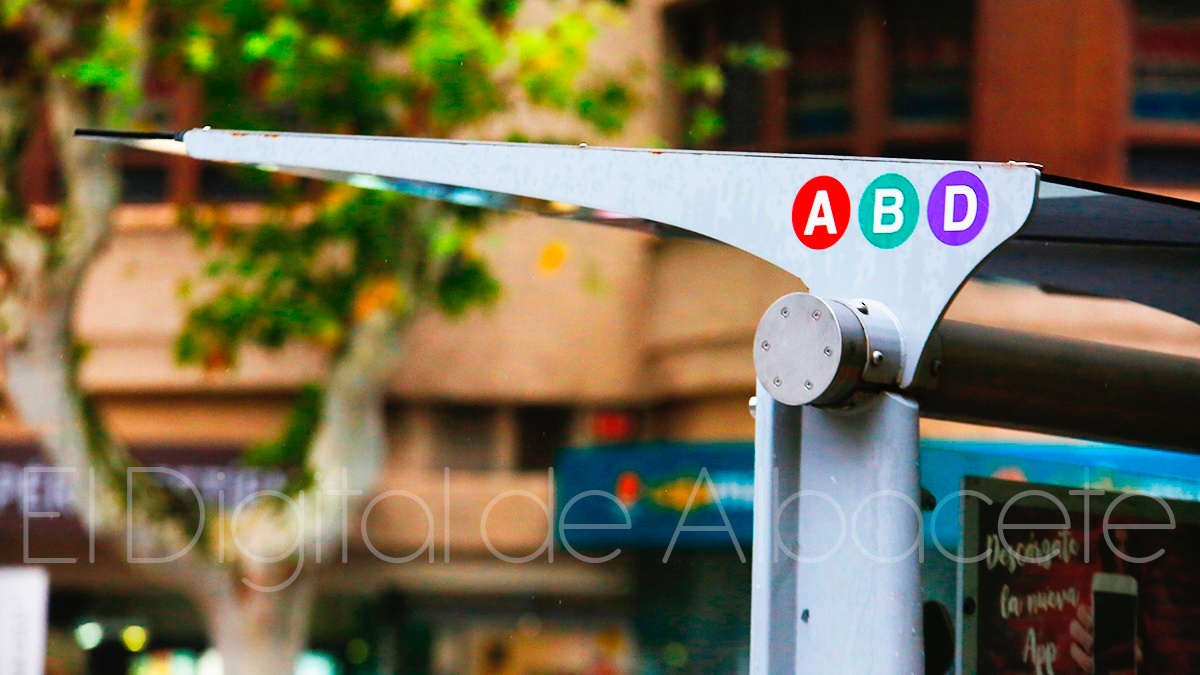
(846, 369)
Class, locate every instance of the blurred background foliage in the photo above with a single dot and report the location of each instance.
(702, 85)
(393, 67)
(327, 259)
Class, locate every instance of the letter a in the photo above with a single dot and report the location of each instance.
(821, 214)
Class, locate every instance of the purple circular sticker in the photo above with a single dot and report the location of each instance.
(958, 208)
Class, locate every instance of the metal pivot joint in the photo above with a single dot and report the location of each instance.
(811, 351)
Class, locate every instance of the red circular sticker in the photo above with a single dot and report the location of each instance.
(821, 212)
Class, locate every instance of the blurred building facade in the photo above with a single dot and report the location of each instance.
(604, 336)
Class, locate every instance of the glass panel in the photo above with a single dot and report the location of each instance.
(541, 432)
(742, 104)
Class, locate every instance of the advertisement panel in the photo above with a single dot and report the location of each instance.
(1058, 580)
(656, 495)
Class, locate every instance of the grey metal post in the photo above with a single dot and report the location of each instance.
(773, 614)
(858, 586)
(854, 601)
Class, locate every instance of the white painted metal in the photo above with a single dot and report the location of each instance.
(773, 614)
(742, 199)
(24, 598)
(858, 587)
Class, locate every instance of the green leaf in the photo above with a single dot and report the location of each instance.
(290, 449)
(110, 66)
(200, 51)
(551, 59)
(706, 124)
(11, 10)
(467, 283)
(706, 79)
(606, 107)
(424, 67)
(757, 56)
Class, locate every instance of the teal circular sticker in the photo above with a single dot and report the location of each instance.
(889, 211)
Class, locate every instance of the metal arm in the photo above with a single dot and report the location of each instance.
(937, 220)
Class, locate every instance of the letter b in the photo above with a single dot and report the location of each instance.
(888, 202)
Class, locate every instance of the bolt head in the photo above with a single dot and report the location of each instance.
(829, 351)
(808, 384)
(778, 382)
(766, 346)
(876, 357)
(816, 315)
(753, 407)
(785, 312)
(862, 307)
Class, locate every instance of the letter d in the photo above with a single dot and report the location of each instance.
(953, 192)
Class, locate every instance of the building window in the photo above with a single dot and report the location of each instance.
(1164, 124)
(1164, 165)
(930, 42)
(881, 77)
(929, 49)
(1166, 67)
(144, 183)
(465, 437)
(820, 80)
(229, 184)
(541, 432)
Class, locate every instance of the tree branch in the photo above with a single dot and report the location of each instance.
(92, 182)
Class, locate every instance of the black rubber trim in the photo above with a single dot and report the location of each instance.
(1121, 192)
(1112, 216)
(130, 135)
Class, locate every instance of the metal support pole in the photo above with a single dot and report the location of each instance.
(837, 448)
(837, 590)
(858, 585)
(773, 615)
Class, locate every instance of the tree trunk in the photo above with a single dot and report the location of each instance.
(350, 444)
(43, 389)
(258, 632)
